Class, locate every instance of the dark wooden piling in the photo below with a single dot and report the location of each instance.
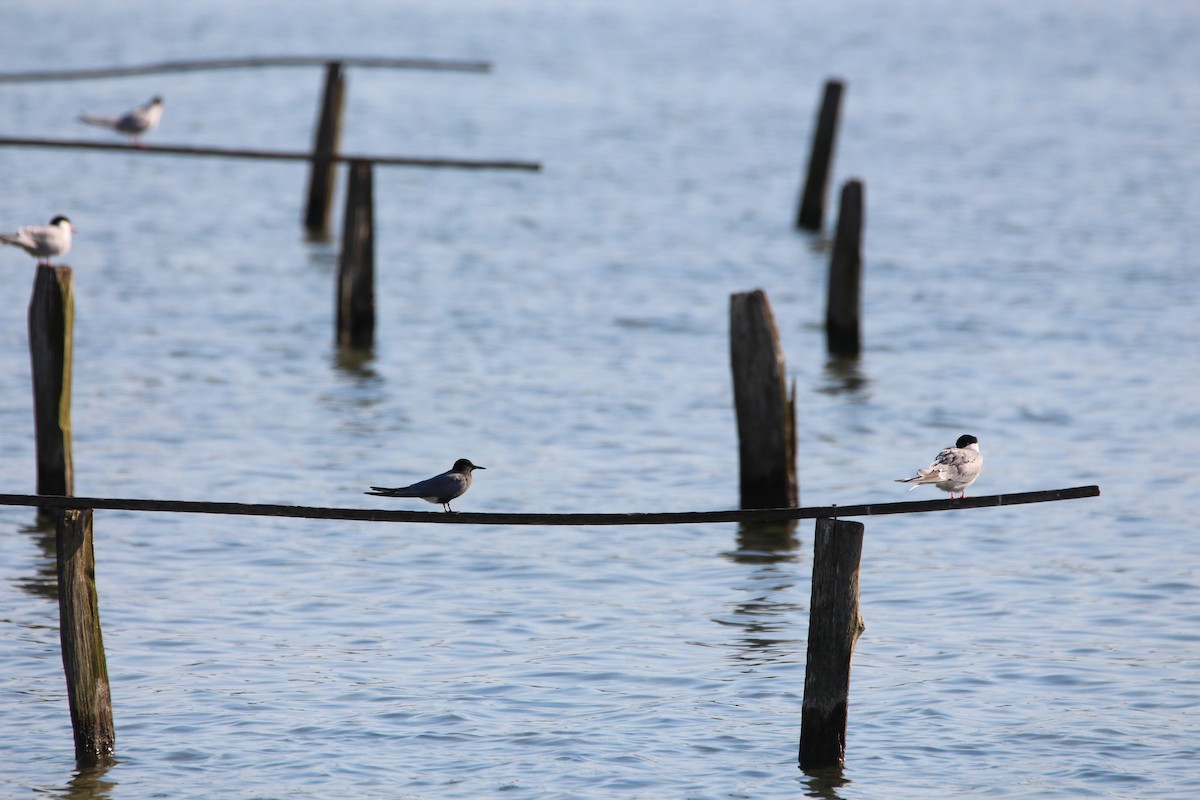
(82, 642)
(811, 213)
(51, 323)
(843, 335)
(356, 265)
(323, 170)
(766, 417)
(834, 625)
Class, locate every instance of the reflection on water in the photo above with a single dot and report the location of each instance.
(824, 783)
(88, 783)
(765, 542)
(44, 583)
(820, 243)
(766, 609)
(356, 362)
(323, 241)
(844, 376)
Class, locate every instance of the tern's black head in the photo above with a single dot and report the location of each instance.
(156, 100)
(465, 465)
(58, 219)
(965, 440)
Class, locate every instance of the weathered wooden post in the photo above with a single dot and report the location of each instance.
(51, 320)
(82, 643)
(356, 265)
(842, 312)
(323, 170)
(811, 213)
(834, 625)
(766, 415)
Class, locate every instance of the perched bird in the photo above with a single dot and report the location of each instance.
(43, 242)
(954, 469)
(438, 489)
(132, 123)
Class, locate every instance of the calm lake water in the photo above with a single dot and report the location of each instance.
(1030, 277)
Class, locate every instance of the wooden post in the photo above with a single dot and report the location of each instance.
(82, 643)
(325, 144)
(834, 625)
(766, 417)
(812, 201)
(842, 324)
(51, 320)
(356, 265)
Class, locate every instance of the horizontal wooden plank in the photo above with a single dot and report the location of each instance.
(273, 155)
(485, 518)
(196, 65)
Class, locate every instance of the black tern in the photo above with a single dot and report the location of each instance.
(438, 489)
(43, 242)
(954, 469)
(132, 123)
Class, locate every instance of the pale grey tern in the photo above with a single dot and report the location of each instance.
(133, 123)
(43, 242)
(954, 469)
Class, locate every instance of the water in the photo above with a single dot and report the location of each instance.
(1031, 204)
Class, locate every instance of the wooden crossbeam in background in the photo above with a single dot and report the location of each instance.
(202, 64)
(275, 155)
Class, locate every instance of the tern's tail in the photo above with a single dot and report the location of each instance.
(380, 491)
(923, 476)
(104, 122)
